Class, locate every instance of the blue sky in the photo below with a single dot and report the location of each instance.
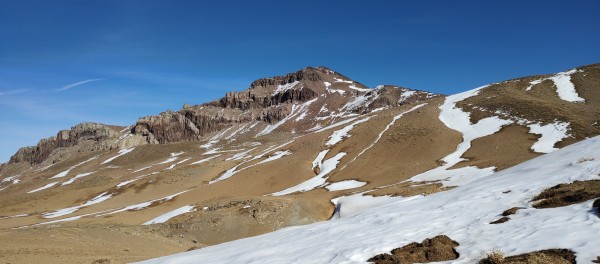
(66, 62)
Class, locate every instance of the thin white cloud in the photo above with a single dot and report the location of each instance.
(73, 85)
(11, 92)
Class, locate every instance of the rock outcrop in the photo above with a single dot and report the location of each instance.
(389, 96)
(306, 74)
(92, 135)
(260, 102)
(185, 125)
(439, 248)
(248, 99)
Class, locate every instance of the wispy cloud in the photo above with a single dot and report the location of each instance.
(73, 85)
(11, 92)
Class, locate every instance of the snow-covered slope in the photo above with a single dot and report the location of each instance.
(463, 213)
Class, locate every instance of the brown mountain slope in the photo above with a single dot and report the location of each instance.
(272, 156)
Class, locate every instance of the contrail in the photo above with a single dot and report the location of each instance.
(67, 87)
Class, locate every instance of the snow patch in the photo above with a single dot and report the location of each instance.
(345, 185)
(334, 125)
(230, 172)
(564, 87)
(342, 81)
(339, 135)
(532, 83)
(69, 210)
(354, 87)
(456, 119)
(80, 175)
(234, 133)
(551, 134)
(363, 100)
(165, 217)
(405, 95)
(204, 160)
(64, 173)
(284, 87)
(314, 182)
(295, 110)
(140, 206)
(123, 183)
(119, 154)
(49, 185)
(144, 168)
(277, 155)
(318, 162)
(13, 179)
(13, 216)
(174, 157)
(241, 155)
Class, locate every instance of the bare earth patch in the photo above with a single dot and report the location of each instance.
(501, 220)
(505, 215)
(407, 189)
(439, 248)
(555, 256)
(567, 194)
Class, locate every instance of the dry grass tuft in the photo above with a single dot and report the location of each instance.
(582, 160)
(496, 256)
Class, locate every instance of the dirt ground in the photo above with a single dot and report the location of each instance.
(555, 256)
(439, 248)
(567, 194)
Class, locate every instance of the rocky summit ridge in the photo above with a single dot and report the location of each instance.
(267, 100)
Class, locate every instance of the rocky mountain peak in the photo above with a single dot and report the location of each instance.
(267, 101)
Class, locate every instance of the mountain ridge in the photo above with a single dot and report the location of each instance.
(196, 123)
(207, 174)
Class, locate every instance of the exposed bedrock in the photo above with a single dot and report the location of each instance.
(89, 134)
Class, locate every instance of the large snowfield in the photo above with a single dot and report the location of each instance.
(463, 214)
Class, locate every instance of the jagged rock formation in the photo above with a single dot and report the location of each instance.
(308, 74)
(246, 100)
(185, 125)
(84, 134)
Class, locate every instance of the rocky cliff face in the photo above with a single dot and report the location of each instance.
(90, 134)
(306, 74)
(260, 102)
(248, 99)
(186, 124)
(193, 123)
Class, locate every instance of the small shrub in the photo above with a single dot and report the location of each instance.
(582, 160)
(494, 257)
